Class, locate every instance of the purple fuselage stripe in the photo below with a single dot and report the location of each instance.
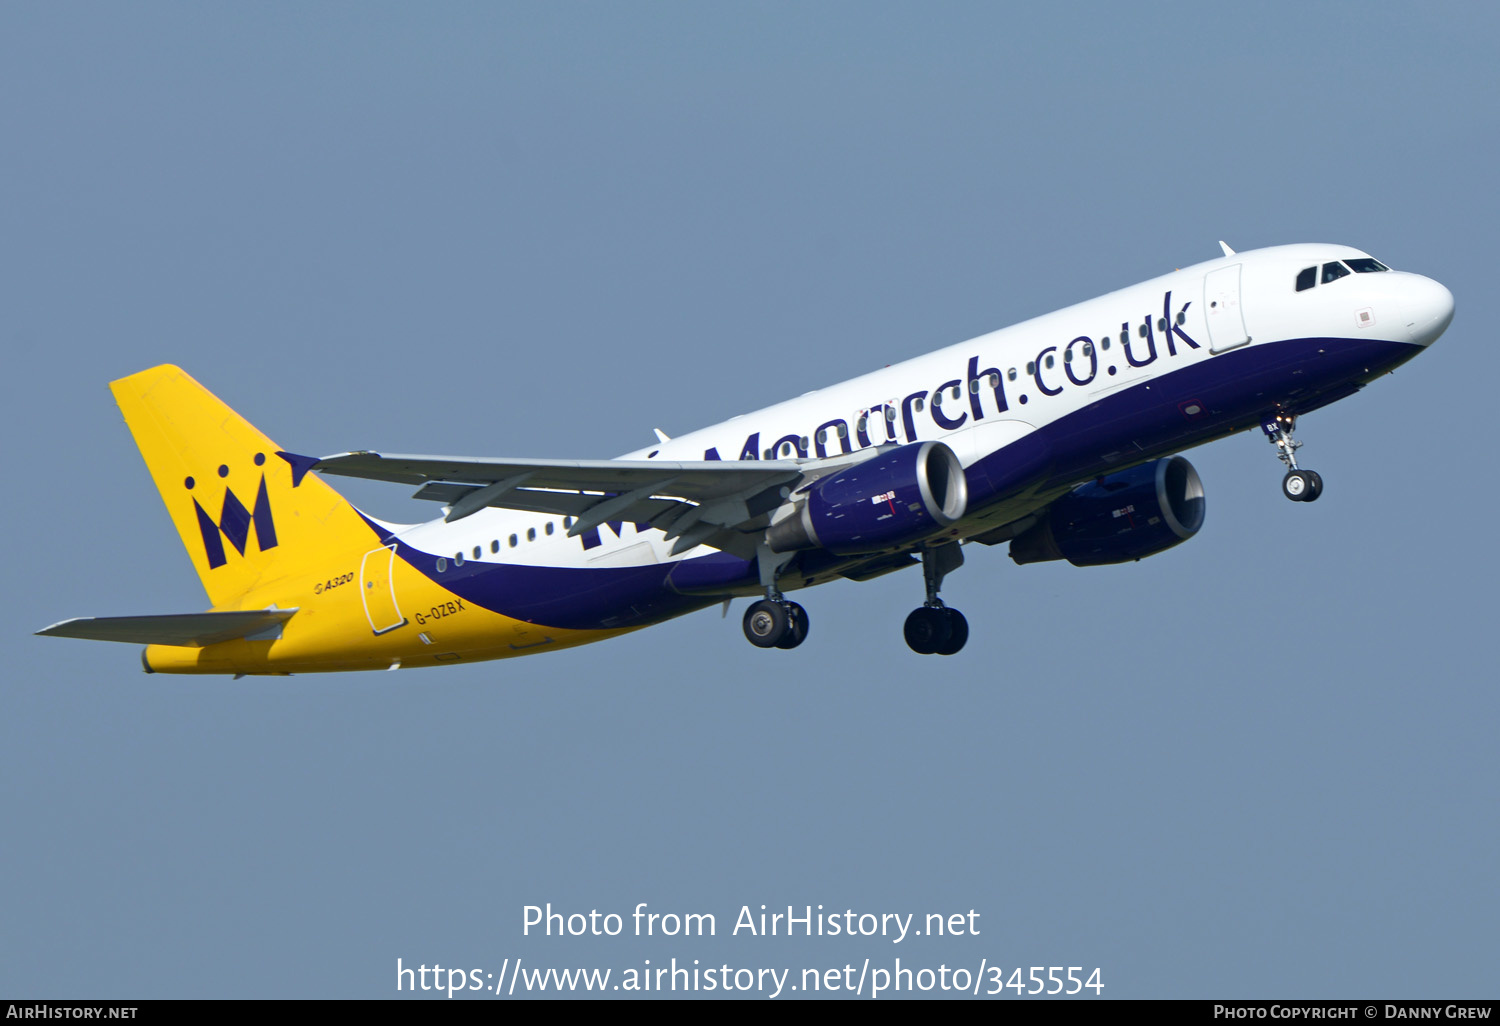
(1225, 394)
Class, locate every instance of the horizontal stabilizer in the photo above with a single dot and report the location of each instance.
(193, 630)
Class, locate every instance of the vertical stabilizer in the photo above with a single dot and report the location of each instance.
(242, 512)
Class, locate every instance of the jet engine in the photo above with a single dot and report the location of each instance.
(1115, 519)
(884, 502)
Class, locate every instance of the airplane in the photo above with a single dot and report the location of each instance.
(1059, 436)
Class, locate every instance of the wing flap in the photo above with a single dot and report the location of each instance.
(192, 630)
(562, 504)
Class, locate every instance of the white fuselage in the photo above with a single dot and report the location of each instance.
(986, 394)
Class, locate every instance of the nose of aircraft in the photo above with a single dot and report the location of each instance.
(1428, 307)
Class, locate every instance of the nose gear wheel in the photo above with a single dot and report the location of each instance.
(1298, 485)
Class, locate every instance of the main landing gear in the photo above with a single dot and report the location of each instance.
(774, 622)
(935, 629)
(1299, 485)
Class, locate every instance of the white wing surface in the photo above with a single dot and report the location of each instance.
(723, 503)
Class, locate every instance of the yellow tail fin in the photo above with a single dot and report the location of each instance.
(245, 513)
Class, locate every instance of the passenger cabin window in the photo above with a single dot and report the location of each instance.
(1364, 265)
(1333, 272)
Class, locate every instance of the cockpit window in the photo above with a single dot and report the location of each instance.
(1307, 278)
(1333, 272)
(1364, 265)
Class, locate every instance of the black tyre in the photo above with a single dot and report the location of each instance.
(958, 632)
(766, 624)
(797, 632)
(1298, 485)
(1317, 486)
(927, 630)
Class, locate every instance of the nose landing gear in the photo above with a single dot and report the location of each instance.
(1302, 485)
(935, 629)
(1298, 485)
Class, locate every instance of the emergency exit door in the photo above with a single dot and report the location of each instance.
(377, 586)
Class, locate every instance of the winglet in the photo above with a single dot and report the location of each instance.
(1225, 247)
(300, 465)
(662, 436)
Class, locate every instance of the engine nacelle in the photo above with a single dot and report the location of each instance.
(1135, 513)
(884, 502)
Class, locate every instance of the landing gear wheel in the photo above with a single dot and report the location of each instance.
(797, 632)
(928, 630)
(767, 624)
(1317, 486)
(1301, 485)
(958, 632)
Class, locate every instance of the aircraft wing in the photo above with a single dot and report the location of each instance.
(194, 630)
(723, 503)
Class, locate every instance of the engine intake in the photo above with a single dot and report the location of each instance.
(1126, 516)
(884, 502)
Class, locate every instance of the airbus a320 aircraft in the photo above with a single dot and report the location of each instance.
(1056, 436)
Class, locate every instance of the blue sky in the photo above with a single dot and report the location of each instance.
(1261, 764)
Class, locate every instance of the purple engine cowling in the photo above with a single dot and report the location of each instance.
(884, 502)
(1125, 516)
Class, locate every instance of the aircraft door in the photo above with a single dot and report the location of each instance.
(377, 586)
(1221, 305)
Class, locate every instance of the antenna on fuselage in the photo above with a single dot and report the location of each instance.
(1225, 247)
